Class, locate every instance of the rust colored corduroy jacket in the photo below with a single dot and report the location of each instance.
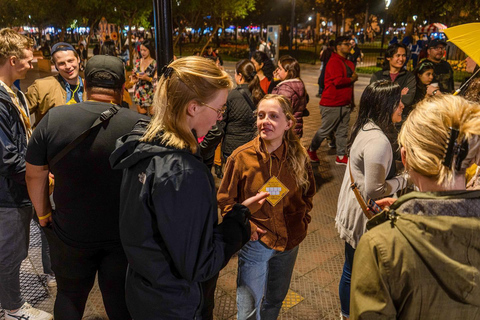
(247, 170)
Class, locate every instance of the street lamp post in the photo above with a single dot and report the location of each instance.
(162, 15)
(292, 23)
(385, 25)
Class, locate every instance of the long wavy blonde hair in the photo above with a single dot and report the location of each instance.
(425, 135)
(296, 152)
(190, 78)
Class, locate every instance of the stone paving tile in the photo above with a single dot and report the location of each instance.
(227, 281)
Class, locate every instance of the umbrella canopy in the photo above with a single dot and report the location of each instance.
(466, 37)
(433, 27)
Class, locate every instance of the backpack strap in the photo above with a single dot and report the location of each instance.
(104, 116)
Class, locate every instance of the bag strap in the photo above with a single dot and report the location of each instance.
(104, 116)
(359, 197)
(249, 101)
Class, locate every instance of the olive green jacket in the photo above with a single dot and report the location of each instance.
(423, 265)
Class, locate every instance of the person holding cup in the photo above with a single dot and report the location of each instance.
(424, 75)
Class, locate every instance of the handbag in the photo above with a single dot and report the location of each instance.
(369, 214)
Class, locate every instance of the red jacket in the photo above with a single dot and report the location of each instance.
(338, 89)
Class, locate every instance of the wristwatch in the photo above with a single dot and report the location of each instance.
(434, 92)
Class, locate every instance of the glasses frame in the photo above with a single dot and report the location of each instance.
(220, 112)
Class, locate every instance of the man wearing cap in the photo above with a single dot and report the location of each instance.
(65, 88)
(443, 73)
(15, 207)
(83, 231)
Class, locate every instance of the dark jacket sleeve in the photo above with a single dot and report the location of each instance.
(411, 84)
(13, 160)
(376, 76)
(186, 211)
(210, 142)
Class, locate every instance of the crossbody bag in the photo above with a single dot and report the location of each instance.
(104, 116)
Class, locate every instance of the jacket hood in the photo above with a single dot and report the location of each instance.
(129, 150)
(450, 247)
(296, 85)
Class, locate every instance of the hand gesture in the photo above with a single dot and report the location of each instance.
(385, 202)
(257, 233)
(133, 78)
(45, 222)
(430, 90)
(354, 77)
(255, 203)
(404, 91)
(143, 76)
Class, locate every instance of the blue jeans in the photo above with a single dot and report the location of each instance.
(263, 280)
(344, 287)
(14, 240)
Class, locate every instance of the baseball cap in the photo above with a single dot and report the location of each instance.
(109, 64)
(62, 46)
(436, 42)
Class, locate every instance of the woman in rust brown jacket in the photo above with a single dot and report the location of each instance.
(276, 162)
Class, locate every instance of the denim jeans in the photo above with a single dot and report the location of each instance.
(14, 241)
(344, 287)
(263, 280)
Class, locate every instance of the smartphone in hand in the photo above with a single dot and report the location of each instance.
(373, 206)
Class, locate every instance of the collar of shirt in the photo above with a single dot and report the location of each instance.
(69, 90)
(261, 149)
(12, 92)
(22, 108)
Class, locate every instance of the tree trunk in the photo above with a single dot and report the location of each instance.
(177, 38)
(210, 38)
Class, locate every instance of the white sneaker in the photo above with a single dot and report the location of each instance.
(51, 281)
(27, 312)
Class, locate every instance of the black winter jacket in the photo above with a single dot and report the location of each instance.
(169, 228)
(237, 127)
(405, 79)
(13, 147)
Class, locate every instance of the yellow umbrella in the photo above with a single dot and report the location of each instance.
(466, 37)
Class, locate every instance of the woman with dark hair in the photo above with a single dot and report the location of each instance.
(423, 261)
(372, 168)
(237, 126)
(393, 70)
(265, 68)
(144, 76)
(424, 74)
(293, 88)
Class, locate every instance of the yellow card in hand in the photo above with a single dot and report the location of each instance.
(276, 189)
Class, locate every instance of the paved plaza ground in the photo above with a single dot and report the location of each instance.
(314, 288)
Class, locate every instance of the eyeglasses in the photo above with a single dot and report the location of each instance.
(442, 48)
(219, 112)
(347, 44)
